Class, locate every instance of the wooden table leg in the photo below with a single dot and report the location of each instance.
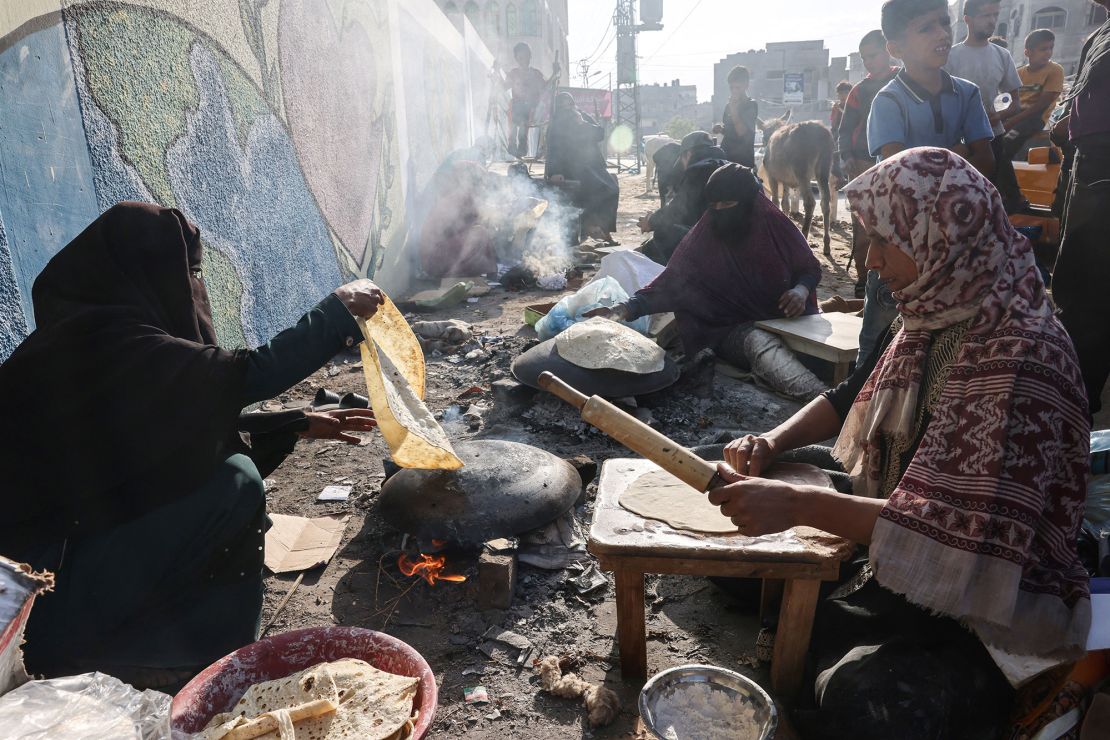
(799, 602)
(770, 597)
(840, 372)
(631, 629)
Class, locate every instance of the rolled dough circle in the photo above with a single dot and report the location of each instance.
(661, 496)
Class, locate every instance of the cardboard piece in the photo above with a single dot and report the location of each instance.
(297, 543)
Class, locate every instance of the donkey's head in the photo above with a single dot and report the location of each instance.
(771, 126)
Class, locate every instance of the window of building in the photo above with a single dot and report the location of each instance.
(493, 18)
(1050, 17)
(1001, 30)
(473, 14)
(529, 18)
(511, 26)
(1097, 16)
(774, 74)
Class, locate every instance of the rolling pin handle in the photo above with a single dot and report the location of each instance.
(551, 383)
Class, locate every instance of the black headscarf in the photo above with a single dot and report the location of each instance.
(119, 401)
(732, 182)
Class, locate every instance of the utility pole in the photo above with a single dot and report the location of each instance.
(584, 70)
(627, 102)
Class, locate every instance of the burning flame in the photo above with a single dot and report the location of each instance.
(428, 567)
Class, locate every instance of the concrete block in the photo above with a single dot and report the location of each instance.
(496, 580)
(511, 397)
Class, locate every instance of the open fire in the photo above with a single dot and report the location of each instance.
(428, 567)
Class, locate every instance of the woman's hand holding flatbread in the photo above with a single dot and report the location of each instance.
(361, 297)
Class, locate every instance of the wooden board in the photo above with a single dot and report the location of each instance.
(618, 533)
(828, 336)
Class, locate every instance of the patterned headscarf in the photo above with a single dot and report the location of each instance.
(982, 526)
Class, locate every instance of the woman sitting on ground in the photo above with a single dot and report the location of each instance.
(966, 441)
(744, 261)
(127, 474)
(574, 142)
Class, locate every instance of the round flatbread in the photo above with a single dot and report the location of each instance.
(601, 344)
(660, 495)
(372, 704)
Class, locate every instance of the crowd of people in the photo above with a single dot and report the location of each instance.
(962, 435)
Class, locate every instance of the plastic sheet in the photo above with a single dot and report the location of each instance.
(570, 309)
(92, 706)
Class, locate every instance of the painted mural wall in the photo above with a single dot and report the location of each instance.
(294, 133)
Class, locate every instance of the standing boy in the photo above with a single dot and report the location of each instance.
(992, 69)
(527, 84)
(1042, 81)
(740, 120)
(922, 106)
(851, 137)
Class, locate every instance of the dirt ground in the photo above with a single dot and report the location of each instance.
(689, 619)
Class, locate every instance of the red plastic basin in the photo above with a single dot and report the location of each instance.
(219, 686)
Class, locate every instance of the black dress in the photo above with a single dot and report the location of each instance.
(574, 151)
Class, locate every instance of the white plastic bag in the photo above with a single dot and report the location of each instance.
(570, 309)
(633, 270)
(92, 706)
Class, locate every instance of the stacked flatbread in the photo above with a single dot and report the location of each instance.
(601, 344)
(368, 705)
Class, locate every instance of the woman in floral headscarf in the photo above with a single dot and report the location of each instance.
(966, 440)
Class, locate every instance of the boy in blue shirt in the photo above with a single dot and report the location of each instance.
(922, 106)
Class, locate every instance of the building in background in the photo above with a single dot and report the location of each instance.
(502, 24)
(1071, 20)
(661, 104)
(769, 67)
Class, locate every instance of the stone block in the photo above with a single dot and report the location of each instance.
(496, 580)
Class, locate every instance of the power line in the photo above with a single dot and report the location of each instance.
(593, 56)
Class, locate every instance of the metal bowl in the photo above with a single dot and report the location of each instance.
(743, 691)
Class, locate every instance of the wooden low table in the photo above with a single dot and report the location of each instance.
(630, 546)
(827, 336)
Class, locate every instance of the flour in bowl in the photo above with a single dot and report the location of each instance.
(698, 711)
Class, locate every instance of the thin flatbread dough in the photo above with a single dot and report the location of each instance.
(660, 495)
(393, 365)
(372, 704)
(601, 344)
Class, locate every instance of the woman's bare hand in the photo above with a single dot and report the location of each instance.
(750, 455)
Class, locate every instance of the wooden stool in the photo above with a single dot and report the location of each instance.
(630, 546)
(826, 336)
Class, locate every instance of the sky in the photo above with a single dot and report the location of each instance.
(698, 33)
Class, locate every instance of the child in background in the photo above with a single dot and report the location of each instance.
(1042, 81)
(922, 106)
(992, 70)
(740, 120)
(851, 137)
(527, 84)
(843, 88)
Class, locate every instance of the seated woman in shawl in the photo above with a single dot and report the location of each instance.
(574, 154)
(127, 474)
(966, 442)
(454, 239)
(744, 261)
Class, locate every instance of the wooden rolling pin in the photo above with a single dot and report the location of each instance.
(637, 436)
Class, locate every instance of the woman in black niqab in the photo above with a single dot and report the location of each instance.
(124, 469)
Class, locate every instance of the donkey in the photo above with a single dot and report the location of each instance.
(796, 154)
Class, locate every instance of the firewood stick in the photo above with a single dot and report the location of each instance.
(265, 723)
